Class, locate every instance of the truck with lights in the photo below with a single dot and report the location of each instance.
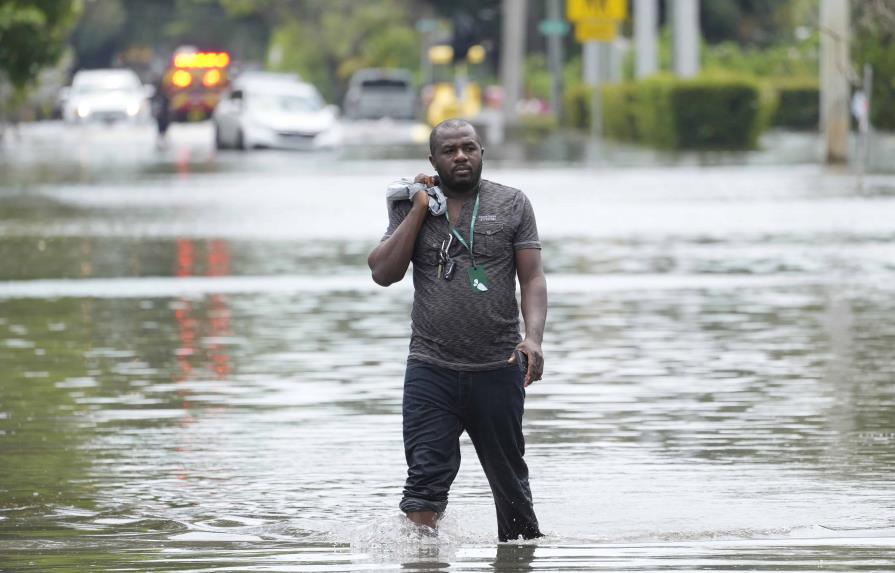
(194, 83)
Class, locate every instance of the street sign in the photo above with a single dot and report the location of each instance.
(595, 30)
(553, 27)
(578, 10)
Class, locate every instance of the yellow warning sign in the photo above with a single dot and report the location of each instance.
(578, 10)
(595, 30)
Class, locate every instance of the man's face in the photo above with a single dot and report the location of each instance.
(458, 159)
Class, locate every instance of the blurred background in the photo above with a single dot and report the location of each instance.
(198, 373)
(676, 75)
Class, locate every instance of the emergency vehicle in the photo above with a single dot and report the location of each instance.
(195, 82)
(454, 89)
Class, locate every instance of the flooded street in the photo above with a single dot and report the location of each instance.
(198, 373)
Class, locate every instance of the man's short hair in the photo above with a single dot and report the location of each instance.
(454, 123)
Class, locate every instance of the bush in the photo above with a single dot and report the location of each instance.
(531, 129)
(721, 113)
(537, 78)
(621, 120)
(798, 104)
(876, 48)
(576, 107)
(701, 113)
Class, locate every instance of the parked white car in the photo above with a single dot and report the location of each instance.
(275, 113)
(106, 95)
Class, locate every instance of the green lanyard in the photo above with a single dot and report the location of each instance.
(475, 214)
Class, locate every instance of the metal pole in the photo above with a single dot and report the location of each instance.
(591, 55)
(511, 54)
(425, 62)
(685, 18)
(555, 57)
(607, 67)
(867, 127)
(834, 84)
(861, 110)
(646, 29)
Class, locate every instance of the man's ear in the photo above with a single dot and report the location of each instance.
(431, 161)
(483, 151)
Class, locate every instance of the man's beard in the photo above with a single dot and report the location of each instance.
(448, 181)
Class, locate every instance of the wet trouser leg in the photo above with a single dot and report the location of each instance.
(432, 428)
(493, 417)
(438, 405)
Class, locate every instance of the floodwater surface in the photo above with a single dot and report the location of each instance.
(199, 375)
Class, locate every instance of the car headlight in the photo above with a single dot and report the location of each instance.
(133, 108)
(83, 111)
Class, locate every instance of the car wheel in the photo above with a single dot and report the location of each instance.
(240, 141)
(218, 140)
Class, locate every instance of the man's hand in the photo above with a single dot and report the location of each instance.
(427, 180)
(535, 356)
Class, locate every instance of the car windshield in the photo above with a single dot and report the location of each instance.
(383, 85)
(284, 102)
(104, 85)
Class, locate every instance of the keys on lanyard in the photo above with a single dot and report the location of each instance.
(446, 264)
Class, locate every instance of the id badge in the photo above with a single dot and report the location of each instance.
(477, 279)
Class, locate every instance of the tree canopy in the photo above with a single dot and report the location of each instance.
(33, 35)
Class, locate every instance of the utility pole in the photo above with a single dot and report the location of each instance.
(511, 54)
(426, 27)
(591, 56)
(554, 58)
(834, 84)
(646, 30)
(685, 18)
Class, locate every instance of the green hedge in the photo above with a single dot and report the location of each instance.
(798, 104)
(700, 113)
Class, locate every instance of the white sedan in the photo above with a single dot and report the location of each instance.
(107, 95)
(276, 114)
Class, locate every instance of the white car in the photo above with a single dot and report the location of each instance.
(106, 95)
(276, 114)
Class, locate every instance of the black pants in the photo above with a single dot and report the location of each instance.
(439, 404)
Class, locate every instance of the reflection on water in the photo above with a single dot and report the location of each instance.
(220, 401)
(273, 420)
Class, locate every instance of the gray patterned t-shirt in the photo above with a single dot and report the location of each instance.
(452, 325)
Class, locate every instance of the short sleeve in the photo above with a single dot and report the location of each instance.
(526, 230)
(397, 211)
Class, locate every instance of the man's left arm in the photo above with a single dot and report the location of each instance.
(533, 286)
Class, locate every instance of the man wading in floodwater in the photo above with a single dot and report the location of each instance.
(466, 369)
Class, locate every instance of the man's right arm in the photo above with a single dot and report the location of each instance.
(390, 259)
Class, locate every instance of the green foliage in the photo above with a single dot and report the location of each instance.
(33, 35)
(874, 44)
(328, 40)
(755, 22)
(100, 26)
(789, 59)
(715, 113)
(396, 47)
(109, 29)
(798, 104)
(646, 112)
(537, 77)
(783, 60)
(621, 121)
(702, 113)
